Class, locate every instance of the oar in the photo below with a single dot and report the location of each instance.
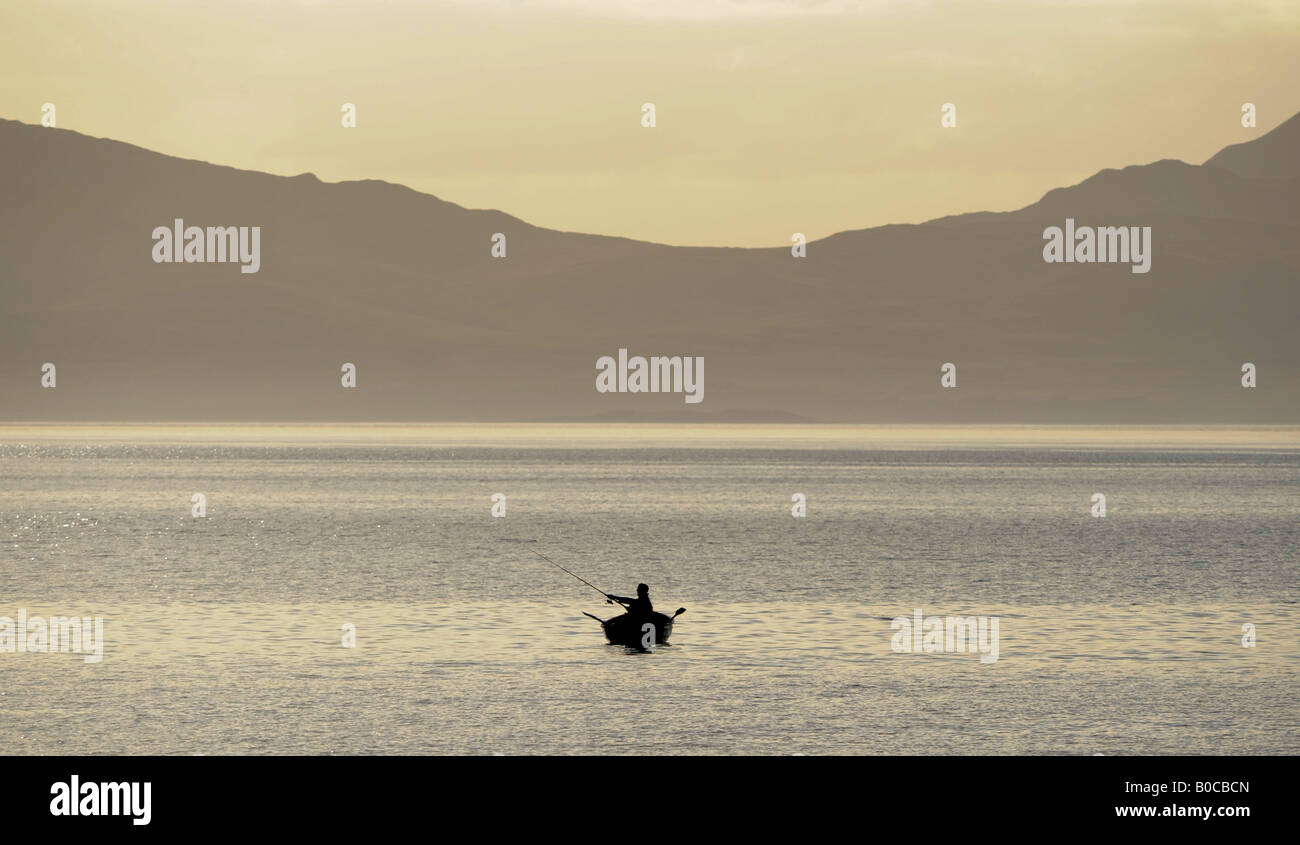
(679, 612)
(597, 618)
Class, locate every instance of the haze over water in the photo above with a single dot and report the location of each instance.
(1118, 635)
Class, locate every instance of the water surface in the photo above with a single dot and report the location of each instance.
(1117, 635)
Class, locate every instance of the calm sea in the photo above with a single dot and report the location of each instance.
(223, 634)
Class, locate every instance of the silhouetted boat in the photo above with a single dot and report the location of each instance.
(628, 630)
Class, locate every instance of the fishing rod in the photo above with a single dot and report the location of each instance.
(579, 577)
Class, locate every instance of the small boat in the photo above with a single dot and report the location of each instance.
(628, 630)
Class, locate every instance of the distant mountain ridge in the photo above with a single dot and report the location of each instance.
(403, 285)
(1271, 156)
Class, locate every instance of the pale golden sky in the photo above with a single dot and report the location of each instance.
(773, 116)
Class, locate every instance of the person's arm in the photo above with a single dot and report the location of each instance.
(619, 599)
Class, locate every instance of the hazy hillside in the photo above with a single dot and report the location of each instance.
(1274, 156)
(403, 285)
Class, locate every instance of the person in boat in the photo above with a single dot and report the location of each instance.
(639, 606)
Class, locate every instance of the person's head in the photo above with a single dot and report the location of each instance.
(642, 590)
